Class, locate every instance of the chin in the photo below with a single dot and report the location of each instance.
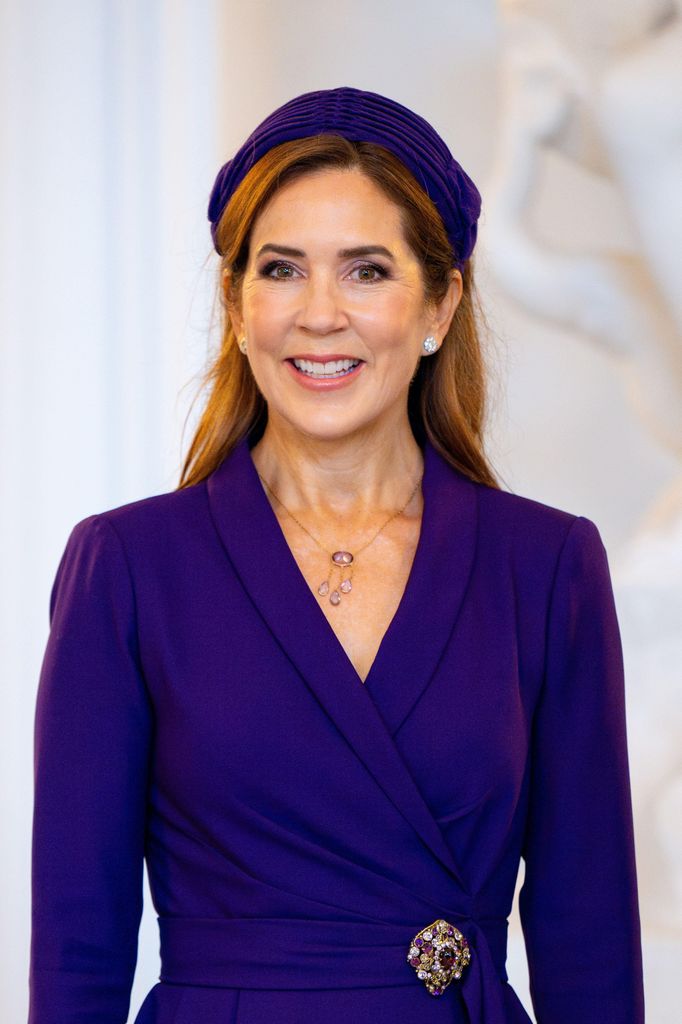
(330, 429)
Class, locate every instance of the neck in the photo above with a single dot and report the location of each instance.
(355, 475)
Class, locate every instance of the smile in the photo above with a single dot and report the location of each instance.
(326, 371)
(322, 375)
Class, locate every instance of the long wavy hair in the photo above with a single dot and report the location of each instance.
(447, 397)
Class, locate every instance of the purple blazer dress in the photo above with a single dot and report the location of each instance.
(196, 710)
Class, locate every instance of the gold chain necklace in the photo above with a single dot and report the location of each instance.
(342, 562)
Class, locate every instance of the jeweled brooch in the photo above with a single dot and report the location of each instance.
(439, 954)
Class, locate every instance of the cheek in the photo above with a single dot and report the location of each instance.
(391, 326)
(265, 319)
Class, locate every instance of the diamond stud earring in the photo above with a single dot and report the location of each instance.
(429, 345)
(242, 346)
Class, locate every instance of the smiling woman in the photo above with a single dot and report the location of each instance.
(333, 339)
(446, 401)
(338, 683)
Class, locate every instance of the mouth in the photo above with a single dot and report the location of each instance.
(331, 369)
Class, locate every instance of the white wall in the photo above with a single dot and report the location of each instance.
(109, 147)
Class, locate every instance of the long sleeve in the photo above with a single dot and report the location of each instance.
(92, 740)
(578, 903)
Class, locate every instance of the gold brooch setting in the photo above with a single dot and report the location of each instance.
(439, 953)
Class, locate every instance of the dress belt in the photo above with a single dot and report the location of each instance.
(296, 953)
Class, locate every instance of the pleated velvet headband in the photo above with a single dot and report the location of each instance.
(361, 116)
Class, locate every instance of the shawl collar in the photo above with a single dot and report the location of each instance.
(366, 715)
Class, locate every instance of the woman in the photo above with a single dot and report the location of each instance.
(339, 682)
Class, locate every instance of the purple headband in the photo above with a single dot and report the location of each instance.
(361, 116)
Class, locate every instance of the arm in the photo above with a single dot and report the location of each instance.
(92, 738)
(578, 902)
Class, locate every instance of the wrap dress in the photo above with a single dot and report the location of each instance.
(195, 710)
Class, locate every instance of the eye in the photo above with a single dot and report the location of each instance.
(368, 273)
(280, 270)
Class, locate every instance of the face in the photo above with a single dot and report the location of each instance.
(333, 307)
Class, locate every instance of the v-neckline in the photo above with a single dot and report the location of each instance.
(325, 623)
(434, 589)
(367, 716)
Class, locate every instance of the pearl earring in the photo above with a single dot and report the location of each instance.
(242, 346)
(429, 345)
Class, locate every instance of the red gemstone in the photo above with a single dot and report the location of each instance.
(415, 961)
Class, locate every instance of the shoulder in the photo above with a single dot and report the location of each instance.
(519, 511)
(158, 520)
(532, 530)
(504, 520)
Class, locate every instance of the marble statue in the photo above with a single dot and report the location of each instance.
(599, 85)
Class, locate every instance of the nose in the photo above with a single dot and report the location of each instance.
(321, 308)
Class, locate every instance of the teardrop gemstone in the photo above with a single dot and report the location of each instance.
(346, 587)
(342, 558)
(323, 588)
(335, 597)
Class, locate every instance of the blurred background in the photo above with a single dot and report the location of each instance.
(115, 117)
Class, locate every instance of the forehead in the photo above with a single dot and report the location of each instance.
(331, 200)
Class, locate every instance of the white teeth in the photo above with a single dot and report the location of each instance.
(336, 367)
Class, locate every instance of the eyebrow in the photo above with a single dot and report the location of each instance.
(358, 250)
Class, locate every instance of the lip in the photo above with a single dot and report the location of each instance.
(334, 383)
(330, 357)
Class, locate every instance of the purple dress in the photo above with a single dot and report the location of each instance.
(196, 709)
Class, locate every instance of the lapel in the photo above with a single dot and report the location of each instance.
(366, 715)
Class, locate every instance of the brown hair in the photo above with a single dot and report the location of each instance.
(446, 401)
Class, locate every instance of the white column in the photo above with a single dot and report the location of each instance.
(108, 133)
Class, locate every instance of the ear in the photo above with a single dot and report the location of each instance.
(444, 311)
(231, 300)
